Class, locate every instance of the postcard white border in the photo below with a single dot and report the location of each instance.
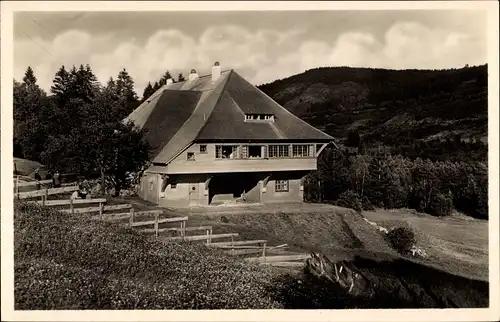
(7, 308)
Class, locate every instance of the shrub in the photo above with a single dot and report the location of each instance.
(401, 239)
(366, 203)
(350, 199)
(440, 205)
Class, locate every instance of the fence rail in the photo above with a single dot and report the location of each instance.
(239, 242)
(45, 192)
(67, 202)
(128, 215)
(157, 221)
(285, 264)
(252, 247)
(178, 229)
(284, 258)
(202, 237)
(97, 209)
(30, 183)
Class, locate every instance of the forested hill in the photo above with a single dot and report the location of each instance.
(443, 112)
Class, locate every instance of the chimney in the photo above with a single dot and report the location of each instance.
(169, 81)
(193, 75)
(215, 71)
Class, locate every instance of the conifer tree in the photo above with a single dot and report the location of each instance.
(148, 91)
(126, 93)
(61, 82)
(29, 77)
(164, 78)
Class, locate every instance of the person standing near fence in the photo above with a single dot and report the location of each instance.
(38, 178)
(56, 180)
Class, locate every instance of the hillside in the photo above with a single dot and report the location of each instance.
(393, 107)
(73, 262)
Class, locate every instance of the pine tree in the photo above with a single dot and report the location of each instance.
(61, 82)
(29, 77)
(181, 78)
(84, 83)
(156, 86)
(29, 103)
(126, 94)
(148, 91)
(125, 85)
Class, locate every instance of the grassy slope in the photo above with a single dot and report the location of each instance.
(67, 262)
(455, 244)
(26, 167)
(72, 262)
(341, 233)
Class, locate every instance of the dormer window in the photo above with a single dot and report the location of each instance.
(259, 118)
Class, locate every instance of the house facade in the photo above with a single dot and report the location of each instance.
(218, 138)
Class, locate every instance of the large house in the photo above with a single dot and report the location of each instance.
(217, 137)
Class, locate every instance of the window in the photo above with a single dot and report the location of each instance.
(173, 186)
(281, 185)
(278, 151)
(255, 151)
(226, 152)
(190, 156)
(259, 117)
(301, 150)
(203, 148)
(244, 151)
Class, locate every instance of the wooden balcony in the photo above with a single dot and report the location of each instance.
(241, 165)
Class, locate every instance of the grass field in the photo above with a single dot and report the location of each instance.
(65, 262)
(456, 244)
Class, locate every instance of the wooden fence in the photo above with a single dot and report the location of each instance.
(45, 192)
(232, 247)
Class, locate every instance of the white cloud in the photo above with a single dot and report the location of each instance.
(260, 56)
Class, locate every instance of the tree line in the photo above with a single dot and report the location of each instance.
(408, 138)
(379, 178)
(151, 89)
(78, 127)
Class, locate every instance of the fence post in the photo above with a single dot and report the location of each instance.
(71, 205)
(45, 196)
(156, 225)
(101, 211)
(264, 251)
(131, 218)
(208, 238)
(17, 186)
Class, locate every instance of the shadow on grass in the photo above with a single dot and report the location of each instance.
(390, 284)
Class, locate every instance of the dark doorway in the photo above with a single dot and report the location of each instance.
(231, 186)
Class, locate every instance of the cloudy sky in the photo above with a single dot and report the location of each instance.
(261, 46)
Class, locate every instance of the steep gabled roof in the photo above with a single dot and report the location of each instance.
(205, 110)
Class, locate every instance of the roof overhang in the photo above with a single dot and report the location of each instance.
(218, 140)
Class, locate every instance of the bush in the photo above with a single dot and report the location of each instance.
(350, 199)
(440, 205)
(401, 239)
(366, 203)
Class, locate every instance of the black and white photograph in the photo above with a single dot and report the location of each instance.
(195, 157)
